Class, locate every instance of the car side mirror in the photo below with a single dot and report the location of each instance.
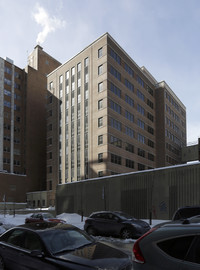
(37, 253)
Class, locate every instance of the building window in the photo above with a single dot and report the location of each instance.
(129, 100)
(50, 127)
(49, 141)
(141, 152)
(150, 143)
(51, 86)
(129, 131)
(50, 155)
(100, 173)
(115, 73)
(140, 109)
(100, 87)
(86, 62)
(116, 107)
(79, 67)
(7, 93)
(150, 130)
(140, 81)
(141, 138)
(100, 104)
(115, 89)
(116, 159)
(100, 121)
(115, 141)
(115, 124)
(141, 167)
(129, 147)
(7, 70)
(129, 85)
(50, 169)
(150, 116)
(150, 157)
(130, 163)
(50, 185)
(100, 69)
(150, 103)
(140, 95)
(129, 116)
(115, 56)
(100, 157)
(100, 52)
(129, 70)
(140, 124)
(100, 139)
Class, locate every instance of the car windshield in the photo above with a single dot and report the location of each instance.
(47, 215)
(61, 240)
(123, 215)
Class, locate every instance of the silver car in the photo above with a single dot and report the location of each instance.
(171, 246)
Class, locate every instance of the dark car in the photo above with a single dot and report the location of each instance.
(115, 223)
(43, 217)
(171, 246)
(187, 214)
(51, 246)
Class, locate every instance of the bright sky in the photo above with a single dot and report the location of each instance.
(162, 35)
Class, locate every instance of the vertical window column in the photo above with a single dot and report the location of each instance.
(86, 91)
(79, 121)
(60, 127)
(67, 126)
(1, 111)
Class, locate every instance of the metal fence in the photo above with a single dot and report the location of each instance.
(153, 193)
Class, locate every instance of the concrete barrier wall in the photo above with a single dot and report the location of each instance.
(156, 193)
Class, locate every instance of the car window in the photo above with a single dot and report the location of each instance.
(194, 252)
(48, 215)
(99, 216)
(124, 216)
(177, 247)
(16, 238)
(186, 213)
(32, 242)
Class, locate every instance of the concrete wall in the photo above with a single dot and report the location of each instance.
(158, 191)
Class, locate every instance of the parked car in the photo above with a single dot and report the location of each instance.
(171, 246)
(187, 214)
(43, 217)
(51, 246)
(115, 223)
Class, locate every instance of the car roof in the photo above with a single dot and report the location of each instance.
(105, 212)
(184, 226)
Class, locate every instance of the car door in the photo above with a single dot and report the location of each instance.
(31, 256)
(10, 248)
(17, 249)
(108, 224)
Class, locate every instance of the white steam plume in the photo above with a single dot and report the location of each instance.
(49, 24)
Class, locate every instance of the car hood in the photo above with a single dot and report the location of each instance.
(97, 255)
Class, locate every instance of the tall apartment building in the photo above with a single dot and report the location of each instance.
(23, 125)
(106, 115)
(12, 117)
